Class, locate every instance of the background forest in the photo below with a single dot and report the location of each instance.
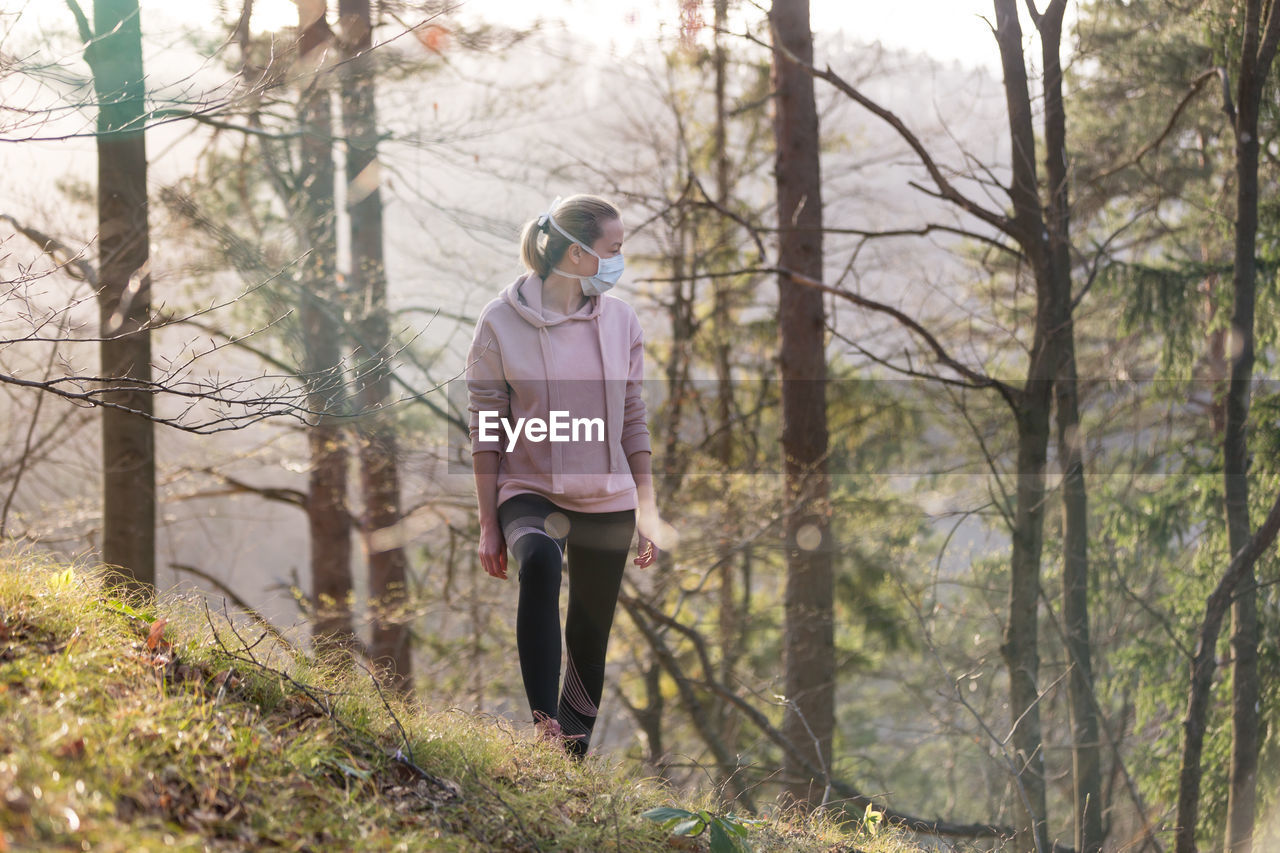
(960, 377)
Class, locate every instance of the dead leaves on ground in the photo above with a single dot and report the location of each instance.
(20, 637)
(210, 809)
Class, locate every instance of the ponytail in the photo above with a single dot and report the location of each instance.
(583, 216)
(533, 249)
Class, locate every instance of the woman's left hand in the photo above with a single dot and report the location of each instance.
(653, 531)
(646, 552)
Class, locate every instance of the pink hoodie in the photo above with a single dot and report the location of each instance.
(527, 362)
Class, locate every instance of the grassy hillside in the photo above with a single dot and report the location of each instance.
(130, 727)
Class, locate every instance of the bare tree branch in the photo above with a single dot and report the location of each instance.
(224, 588)
(979, 379)
(52, 247)
(851, 796)
(1192, 91)
(946, 189)
(25, 458)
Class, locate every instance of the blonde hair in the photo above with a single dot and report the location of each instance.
(583, 216)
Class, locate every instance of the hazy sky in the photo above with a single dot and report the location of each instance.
(946, 29)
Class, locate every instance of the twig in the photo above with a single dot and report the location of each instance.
(326, 705)
(1112, 741)
(25, 459)
(239, 602)
(920, 825)
(1196, 86)
(945, 188)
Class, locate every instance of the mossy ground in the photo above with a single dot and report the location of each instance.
(136, 726)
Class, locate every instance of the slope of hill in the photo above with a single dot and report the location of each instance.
(132, 726)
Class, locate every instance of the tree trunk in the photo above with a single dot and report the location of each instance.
(1086, 749)
(809, 644)
(723, 327)
(1258, 51)
(389, 645)
(1256, 55)
(1245, 693)
(722, 287)
(328, 519)
(1047, 253)
(1020, 647)
(680, 311)
(1086, 746)
(124, 298)
(1202, 669)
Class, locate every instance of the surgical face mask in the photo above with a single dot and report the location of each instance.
(607, 272)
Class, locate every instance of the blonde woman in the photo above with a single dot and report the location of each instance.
(560, 450)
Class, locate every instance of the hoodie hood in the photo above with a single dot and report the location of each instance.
(525, 295)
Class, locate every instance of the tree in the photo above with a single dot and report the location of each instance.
(328, 516)
(1038, 231)
(331, 329)
(1085, 741)
(1200, 237)
(1183, 272)
(809, 658)
(126, 386)
(113, 51)
(1258, 49)
(367, 282)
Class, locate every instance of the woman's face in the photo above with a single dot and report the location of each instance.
(608, 245)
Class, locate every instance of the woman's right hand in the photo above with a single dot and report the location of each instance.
(493, 551)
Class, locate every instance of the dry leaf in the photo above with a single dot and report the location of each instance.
(434, 38)
(155, 638)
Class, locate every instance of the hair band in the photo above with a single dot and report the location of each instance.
(544, 221)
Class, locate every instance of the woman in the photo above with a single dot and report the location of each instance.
(561, 453)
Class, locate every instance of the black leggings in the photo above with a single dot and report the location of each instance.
(537, 531)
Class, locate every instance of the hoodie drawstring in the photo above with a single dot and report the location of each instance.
(553, 404)
(608, 400)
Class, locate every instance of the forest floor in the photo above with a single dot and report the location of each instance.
(132, 726)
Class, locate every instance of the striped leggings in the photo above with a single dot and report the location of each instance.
(540, 536)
